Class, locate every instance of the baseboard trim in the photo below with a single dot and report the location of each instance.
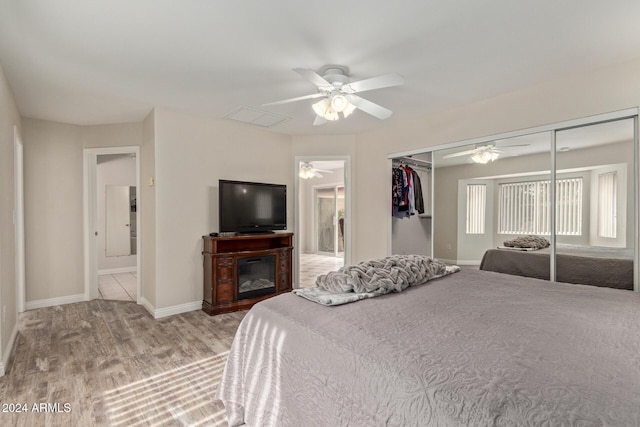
(50, 302)
(147, 305)
(158, 313)
(460, 261)
(9, 351)
(468, 262)
(117, 270)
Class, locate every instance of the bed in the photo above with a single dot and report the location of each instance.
(588, 265)
(471, 348)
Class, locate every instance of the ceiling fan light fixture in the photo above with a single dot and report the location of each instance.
(350, 108)
(321, 107)
(339, 102)
(305, 174)
(337, 92)
(484, 157)
(331, 114)
(306, 170)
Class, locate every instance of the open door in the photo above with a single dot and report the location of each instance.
(323, 216)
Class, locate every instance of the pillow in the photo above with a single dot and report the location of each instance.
(528, 242)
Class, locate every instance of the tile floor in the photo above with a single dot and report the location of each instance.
(312, 265)
(119, 287)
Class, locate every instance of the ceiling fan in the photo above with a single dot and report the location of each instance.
(338, 93)
(307, 170)
(483, 153)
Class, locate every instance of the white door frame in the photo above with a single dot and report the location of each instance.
(18, 218)
(348, 206)
(90, 217)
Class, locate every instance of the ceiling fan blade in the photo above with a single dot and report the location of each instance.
(379, 82)
(313, 77)
(510, 146)
(299, 98)
(323, 170)
(319, 121)
(371, 108)
(316, 174)
(461, 153)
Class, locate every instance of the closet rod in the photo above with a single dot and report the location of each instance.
(417, 163)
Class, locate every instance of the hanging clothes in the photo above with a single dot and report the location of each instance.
(411, 195)
(397, 193)
(406, 192)
(417, 191)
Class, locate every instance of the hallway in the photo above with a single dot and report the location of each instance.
(312, 265)
(118, 287)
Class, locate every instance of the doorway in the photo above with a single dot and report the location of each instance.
(322, 217)
(112, 240)
(329, 220)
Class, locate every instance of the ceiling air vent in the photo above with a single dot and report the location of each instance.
(255, 117)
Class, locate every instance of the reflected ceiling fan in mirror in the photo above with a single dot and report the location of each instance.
(483, 153)
(307, 171)
(338, 93)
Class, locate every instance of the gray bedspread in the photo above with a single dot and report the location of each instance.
(588, 265)
(472, 348)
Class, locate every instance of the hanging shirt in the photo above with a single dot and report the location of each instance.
(417, 192)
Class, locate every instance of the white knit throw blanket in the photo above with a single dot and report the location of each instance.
(372, 278)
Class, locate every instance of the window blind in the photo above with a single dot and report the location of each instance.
(607, 204)
(476, 208)
(524, 207)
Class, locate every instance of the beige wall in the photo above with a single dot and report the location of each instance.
(53, 155)
(53, 209)
(191, 154)
(573, 96)
(9, 117)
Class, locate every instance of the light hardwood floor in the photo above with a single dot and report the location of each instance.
(114, 365)
(313, 265)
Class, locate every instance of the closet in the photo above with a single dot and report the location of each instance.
(411, 204)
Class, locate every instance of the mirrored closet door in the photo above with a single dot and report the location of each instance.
(488, 193)
(594, 227)
(558, 204)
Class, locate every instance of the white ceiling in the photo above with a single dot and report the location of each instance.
(90, 62)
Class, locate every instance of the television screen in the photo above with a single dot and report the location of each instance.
(252, 207)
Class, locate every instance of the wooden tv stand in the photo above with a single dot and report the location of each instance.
(221, 255)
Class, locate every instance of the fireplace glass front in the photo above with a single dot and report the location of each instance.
(256, 276)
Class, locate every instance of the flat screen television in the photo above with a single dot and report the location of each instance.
(252, 207)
